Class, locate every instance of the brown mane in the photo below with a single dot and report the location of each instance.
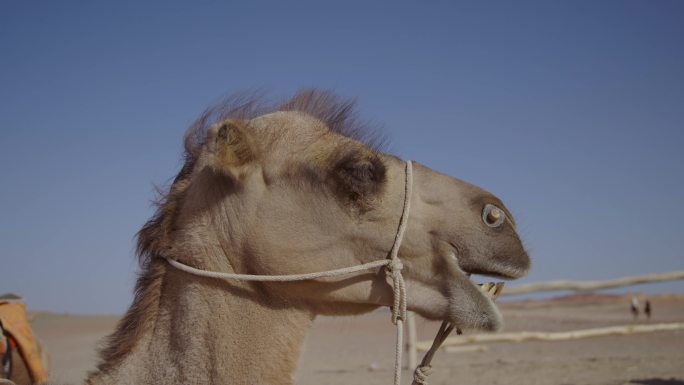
(338, 114)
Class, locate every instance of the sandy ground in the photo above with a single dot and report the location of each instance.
(340, 350)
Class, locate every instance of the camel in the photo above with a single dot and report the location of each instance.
(288, 188)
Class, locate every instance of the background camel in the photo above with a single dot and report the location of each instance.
(23, 359)
(293, 188)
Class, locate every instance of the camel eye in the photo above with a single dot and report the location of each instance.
(493, 216)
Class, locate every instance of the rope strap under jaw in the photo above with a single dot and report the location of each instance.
(393, 266)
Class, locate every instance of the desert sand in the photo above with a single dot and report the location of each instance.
(342, 350)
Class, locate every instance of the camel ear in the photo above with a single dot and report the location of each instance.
(233, 147)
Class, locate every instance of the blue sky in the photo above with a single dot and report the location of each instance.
(572, 112)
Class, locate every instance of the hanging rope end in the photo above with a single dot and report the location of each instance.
(421, 374)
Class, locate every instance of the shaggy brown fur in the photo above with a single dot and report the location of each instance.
(153, 238)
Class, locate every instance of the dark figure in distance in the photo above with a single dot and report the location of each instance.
(647, 309)
(635, 307)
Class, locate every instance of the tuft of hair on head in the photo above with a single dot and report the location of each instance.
(340, 115)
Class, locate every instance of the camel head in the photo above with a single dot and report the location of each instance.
(291, 189)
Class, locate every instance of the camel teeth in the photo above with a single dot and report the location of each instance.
(492, 289)
(499, 288)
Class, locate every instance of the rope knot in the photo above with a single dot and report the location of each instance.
(395, 266)
(421, 374)
(399, 288)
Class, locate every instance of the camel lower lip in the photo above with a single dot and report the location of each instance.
(475, 310)
(473, 307)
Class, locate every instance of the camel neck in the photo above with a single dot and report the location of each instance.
(214, 332)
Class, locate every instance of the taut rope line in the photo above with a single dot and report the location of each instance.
(279, 278)
(393, 266)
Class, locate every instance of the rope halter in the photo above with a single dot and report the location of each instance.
(393, 266)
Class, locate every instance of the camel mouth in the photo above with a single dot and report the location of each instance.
(471, 304)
